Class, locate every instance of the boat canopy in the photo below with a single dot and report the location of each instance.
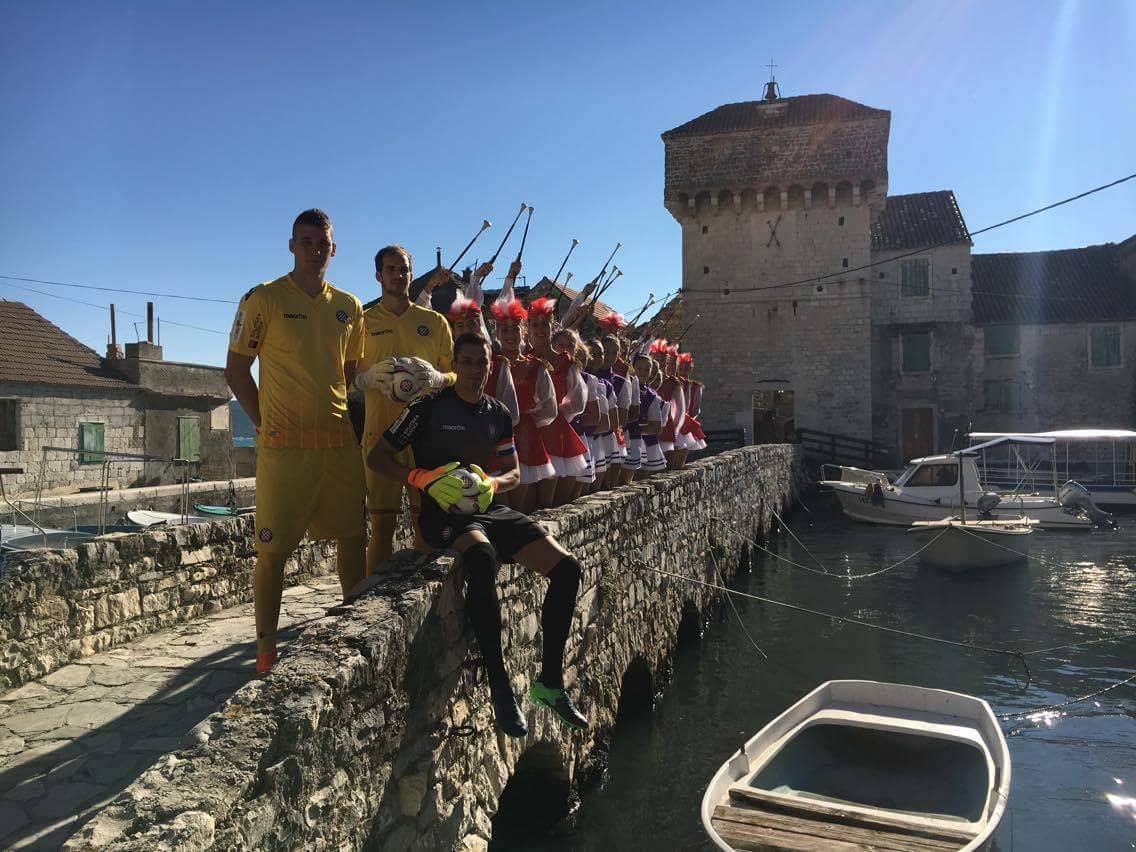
(1063, 435)
(1009, 439)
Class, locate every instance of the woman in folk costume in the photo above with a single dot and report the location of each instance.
(617, 442)
(538, 347)
(670, 390)
(465, 315)
(586, 420)
(601, 390)
(568, 452)
(691, 430)
(536, 398)
(632, 457)
(645, 429)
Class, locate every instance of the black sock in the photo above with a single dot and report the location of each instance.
(484, 609)
(556, 619)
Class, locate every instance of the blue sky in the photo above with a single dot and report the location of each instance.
(167, 146)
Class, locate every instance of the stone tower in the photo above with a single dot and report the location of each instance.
(770, 193)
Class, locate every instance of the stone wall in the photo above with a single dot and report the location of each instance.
(50, 416)
(58, 606)
(1059, 388)
(373, 732)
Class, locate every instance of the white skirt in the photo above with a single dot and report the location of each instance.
(634, 457)
(666, 446)
(574, 466)
(599, 453)
(588, 474)
(535, 473)
(653, 459)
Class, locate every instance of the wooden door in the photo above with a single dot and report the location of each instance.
(918, 433)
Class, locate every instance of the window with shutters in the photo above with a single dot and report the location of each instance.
(915, 277)
(10, 433)
(1104, 346)
(1001, 340)
(91, 443)
(916, 352)
(1003, 395)
(189, 438)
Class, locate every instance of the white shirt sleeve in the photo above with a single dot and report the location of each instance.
(546, 407)
(474, 291)
(506, 290)
(506, 392)
(422, 299)
(679, 401)
(655, 412)
(573, 309)
(624, 400)
(633, 380)
(575, 397)
(696, 399)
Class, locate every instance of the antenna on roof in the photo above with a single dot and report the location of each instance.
(772, 91)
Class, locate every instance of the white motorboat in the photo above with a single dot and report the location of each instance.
(928, 490)
(1102, 460)
(859, 764)
(19, 537)
(148, 518)
(959, 545)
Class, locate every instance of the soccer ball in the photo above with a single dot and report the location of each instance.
(404, 386)
(471, 485)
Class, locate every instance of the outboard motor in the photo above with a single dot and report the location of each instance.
(987, 503)
(1076, 499)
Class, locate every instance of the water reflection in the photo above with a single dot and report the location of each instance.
(1064, 760)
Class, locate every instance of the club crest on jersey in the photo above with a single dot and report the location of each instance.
(423, 331)
(265, 534)
(342, 316)
(446, 533)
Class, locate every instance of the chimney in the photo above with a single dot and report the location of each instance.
(146, 350)
(114, 351)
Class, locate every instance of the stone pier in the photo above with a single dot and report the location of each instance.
(375, 731)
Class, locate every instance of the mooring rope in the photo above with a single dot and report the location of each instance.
(1009, 652)
(737, 614)
(1024, 713)
(835, 575)
(800, 543)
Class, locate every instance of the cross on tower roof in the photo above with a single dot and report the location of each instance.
(771, 66)
(772, 90)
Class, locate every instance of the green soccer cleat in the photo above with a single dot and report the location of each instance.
(558, 702)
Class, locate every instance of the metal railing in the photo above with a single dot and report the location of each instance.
(821, 447)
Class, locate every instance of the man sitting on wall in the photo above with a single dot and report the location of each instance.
(460, 426)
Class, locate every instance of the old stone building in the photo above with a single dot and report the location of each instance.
(56, 392)
(853, 312)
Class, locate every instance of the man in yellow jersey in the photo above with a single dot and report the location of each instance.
(309, 337)
(396, 327)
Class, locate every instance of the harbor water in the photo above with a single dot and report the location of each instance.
(1074, 770)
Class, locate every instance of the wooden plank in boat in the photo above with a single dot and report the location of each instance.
(834, 813)
(746, 828)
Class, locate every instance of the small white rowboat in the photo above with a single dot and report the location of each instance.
(858, 764)
(965, 545)
(148, 518)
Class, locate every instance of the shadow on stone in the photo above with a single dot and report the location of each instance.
(690, 627)
(82, 774)
(537, 797)
(636, 691)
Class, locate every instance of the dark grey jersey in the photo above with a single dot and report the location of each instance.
(442, 428)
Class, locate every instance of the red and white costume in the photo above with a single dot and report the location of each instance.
(499, 385)
(536, 399)
(690, 433)
(566, 449)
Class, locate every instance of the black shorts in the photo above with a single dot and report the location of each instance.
(508, 530)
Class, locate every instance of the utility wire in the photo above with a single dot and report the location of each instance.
(922, 249)
(120, 290)
(107, 307)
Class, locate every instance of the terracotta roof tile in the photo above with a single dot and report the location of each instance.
(918, 220)
(784, 112)
(1068, 285)
(36, 351)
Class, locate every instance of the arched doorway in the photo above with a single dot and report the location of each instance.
(774, 412)
(537, 797)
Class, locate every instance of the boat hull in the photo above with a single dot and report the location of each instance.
(901, 511)
(958, 549)
(784, 788)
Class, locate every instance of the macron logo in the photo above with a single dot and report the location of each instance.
(295, 316)
(452, 427)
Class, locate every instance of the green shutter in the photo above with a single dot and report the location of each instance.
(915, 277)
(1105, 345)
(917, 352)
(1002, 340)
(189, 438)
(91, 443)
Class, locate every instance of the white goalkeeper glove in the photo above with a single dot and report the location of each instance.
(377, 376)
(424, 372)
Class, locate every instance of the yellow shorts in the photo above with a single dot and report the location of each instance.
(384, 495)
(318, 492)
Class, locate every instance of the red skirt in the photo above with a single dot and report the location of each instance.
(561, 440)
(530, 445)
(691, 426)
